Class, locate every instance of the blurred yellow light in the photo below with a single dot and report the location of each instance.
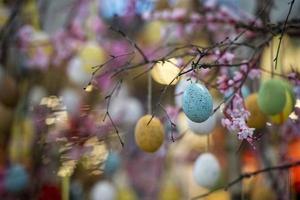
(165, 72)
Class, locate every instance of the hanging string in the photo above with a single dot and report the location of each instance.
(272, 63)
(149, 93)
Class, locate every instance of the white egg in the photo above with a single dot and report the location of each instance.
(203, 128)
(103, 190)
(77, 74)
(36, 94)
(126, 110)
(71, 99)
(207, 170)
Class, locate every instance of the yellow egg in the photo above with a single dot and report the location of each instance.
(126, 193)
(91, 54)
(284, 115)
(219, 195)
(149, 137)
(169, 191)
(151, 34)
(165, 72)
(257, 118)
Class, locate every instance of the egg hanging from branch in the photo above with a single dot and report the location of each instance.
(272, 97)
(288, 107)
(149, 135)
(166, 72)
(207, 170)
(197, 103)
(257, 118)
(203, 128)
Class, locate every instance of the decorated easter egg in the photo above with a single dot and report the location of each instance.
(287, 110)
(16, 179)
(197, 103)
(203, 128)
(207, 170)
(271, 97)
(103, 190)
(149, 137)
(112, 163)
(91, 54)
(166, 72)
(257, 118)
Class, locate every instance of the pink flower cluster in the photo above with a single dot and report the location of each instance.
(236, 117)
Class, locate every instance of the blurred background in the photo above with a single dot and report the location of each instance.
(74, 82)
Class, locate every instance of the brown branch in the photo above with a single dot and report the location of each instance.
(283, 31)
(249, 175)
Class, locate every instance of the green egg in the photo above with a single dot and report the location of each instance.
(272, 96)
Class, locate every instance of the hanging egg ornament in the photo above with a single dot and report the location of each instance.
(149, 136)
(197, 103)
(103, 190)
(257, 118)
(112, 163)
(203, 128)
(166, 72)
(207, 170)
(271, 97)
(91, 54)
(289, 105)
(16, 179)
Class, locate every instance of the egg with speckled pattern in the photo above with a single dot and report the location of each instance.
(149, 135)
(197, 102)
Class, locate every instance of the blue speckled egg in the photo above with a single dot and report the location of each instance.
(112, 163)
(16, 179)
(197, 102)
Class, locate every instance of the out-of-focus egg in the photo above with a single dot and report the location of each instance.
(151, 33)
(71, 100)
(170, 190)
(289, 105)
(76, 73)
(126, 193)
(126, 110)
(36, 94)
(103, 190)
(219, 195)
(257, 118)
(271, 97)
(207, 170)
(91, 54)
(149, 137)
(203, 128)
(165, 72)
(16, 179)
(9, 90)
(197, 102)
(112, 163)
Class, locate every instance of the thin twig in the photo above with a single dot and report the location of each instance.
(249, 175)
(282, 32)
